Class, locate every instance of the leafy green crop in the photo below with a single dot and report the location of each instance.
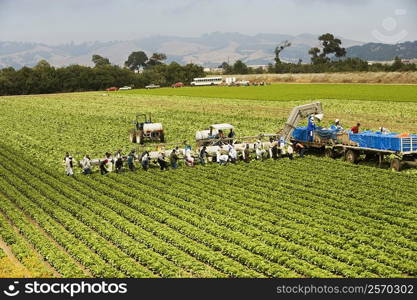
(404, 93)
(311, 217)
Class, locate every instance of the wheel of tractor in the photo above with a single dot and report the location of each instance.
(139, 139)
(352, 156)
(162, 138)
(396, 164)
(329, 153)
(132, 137)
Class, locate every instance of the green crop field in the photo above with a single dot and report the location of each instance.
(311, 217)
(405, 93)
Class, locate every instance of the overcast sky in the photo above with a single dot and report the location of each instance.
(61, 21)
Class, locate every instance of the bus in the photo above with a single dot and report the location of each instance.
(207, 81)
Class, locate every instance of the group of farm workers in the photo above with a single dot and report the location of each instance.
(338, 125)
(229, 154)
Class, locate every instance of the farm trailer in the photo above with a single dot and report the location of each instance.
(401, 150)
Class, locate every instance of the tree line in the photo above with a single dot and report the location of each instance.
(330, 56)
(139, 71)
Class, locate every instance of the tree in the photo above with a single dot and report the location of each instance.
(227, 69)
(397, 64)
(136, 60)
(100, 61)
(329, 45)
(240, 67)
(156, 59)
(192, 71)
(279, 49)
(332, 45)
(316, 57)
(47, 78)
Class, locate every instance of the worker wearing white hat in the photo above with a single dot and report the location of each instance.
(338, 125)
(310, 128)
(68, 165)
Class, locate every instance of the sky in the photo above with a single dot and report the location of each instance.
(64, 21)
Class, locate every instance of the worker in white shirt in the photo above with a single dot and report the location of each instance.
(258, 150)
(384, 130)
(232, 154)
(222, 159)
(290, 151)
(189, 159)
(68, 165)
(338, 125)
(86, 165)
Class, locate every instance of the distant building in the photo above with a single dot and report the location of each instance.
(373, 62)
(409, 61)
(390, 62)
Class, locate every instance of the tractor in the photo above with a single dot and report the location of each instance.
(146, 130)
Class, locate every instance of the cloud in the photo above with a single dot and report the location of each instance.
(56, 21)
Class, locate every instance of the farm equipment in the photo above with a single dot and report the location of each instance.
(401, 149)
(146, 130)
(333, 142)
(214, 135)
(298, 113)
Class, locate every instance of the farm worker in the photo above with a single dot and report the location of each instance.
(210, 135)
(384, 130)
(274, 151)
(69, 165)
(173, 157)
(162, 162)
(203, 155)
(282, 145)
(290, 151)
(222, 159)
(119, 161)
(232, 154)
(103, 168)
(130, 160)
(299, 148)
(220, 135)
(189, 160)
(338, 125)
(259, 151)
(271, 144)
(246, 154)
(231, 135)
(109, 163)
(145, 160)
(66, 158)
(310, 128)
(355, 129)
(86, 164)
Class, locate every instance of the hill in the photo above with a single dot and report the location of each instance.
(208, 50)
(384, 52)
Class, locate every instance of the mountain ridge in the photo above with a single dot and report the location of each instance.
(209, 49)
